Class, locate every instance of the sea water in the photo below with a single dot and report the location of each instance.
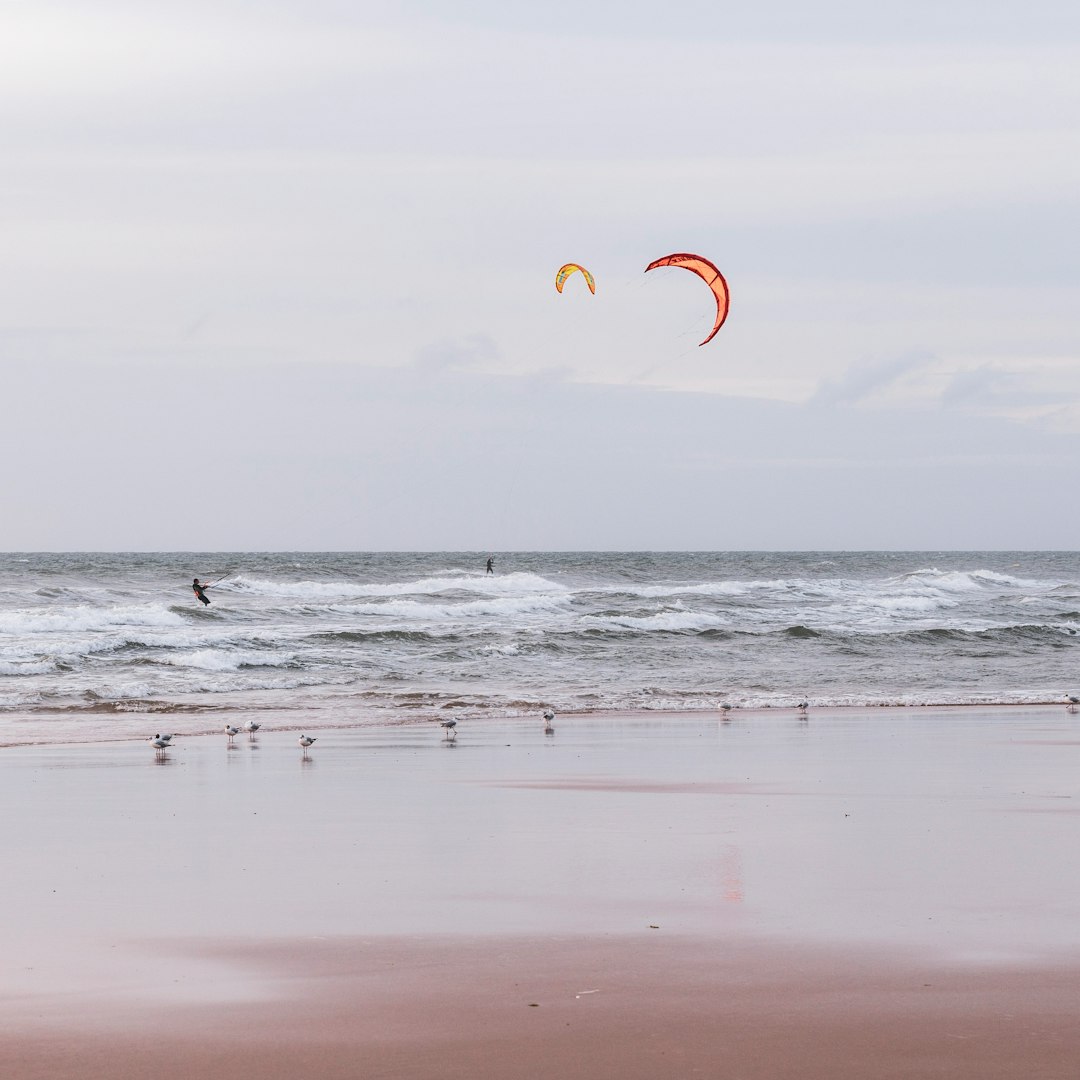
(372, 637)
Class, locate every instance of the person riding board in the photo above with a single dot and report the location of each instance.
(198, 590)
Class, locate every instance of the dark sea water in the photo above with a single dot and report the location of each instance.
(90, 639)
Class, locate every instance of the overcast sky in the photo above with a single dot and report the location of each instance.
(279, 275)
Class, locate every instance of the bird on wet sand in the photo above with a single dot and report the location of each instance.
(304, 742)
(231, 731)
(251, 727)
(160, 745)
(450, 727)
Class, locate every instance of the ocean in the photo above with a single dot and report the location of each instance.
(92, 642)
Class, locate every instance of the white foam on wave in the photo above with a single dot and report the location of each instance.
(216, 660)
(922, 599)
(882, 613)
(196, 637)
(664, 620)
(39, 652)
(486, 584)
(500, 650)
(904, 605)
(920, 588)
(30, 666)
(86, 619)
(204, 680)
(702, 588)
(968, 580)
(416, 611)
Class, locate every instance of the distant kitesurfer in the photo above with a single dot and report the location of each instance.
(198, 589)
(491, 565)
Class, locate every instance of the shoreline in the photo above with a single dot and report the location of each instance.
(137, 724)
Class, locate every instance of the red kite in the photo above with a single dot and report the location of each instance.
(710, 275)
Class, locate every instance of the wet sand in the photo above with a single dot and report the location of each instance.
(886, 893)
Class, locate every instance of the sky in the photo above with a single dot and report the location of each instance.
(279, 275)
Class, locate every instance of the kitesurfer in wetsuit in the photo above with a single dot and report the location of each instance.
(198, 589)
(491, 565)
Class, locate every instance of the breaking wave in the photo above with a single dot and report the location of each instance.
(577, 631)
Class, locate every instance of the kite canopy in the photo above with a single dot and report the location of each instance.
(567, 270)
(710, 275)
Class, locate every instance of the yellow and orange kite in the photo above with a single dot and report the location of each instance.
(567, 270)
(710, 275)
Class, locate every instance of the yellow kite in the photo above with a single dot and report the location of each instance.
(567, 270)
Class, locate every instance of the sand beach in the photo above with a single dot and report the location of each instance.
(878, 892)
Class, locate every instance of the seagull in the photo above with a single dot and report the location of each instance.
(305, 741)
(450, 726)
(803, 705)
(231, 731)
(725, 707)
(1071, 702)
(549, 722)
(163, 738)
(251, 727)
(160, 745)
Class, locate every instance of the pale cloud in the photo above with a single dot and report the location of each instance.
(120, 55)
(333, 457)
(470, 352)
(863, 380)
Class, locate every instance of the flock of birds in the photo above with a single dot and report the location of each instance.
(450, 726)
(161, 743)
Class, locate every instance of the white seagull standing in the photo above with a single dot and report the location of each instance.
(549, 721)
(305, 741)
(251, 727)
(451, 728)
(160, 745)
(803, 706)
(231, 731)
(1071, 701)
(163, 738)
